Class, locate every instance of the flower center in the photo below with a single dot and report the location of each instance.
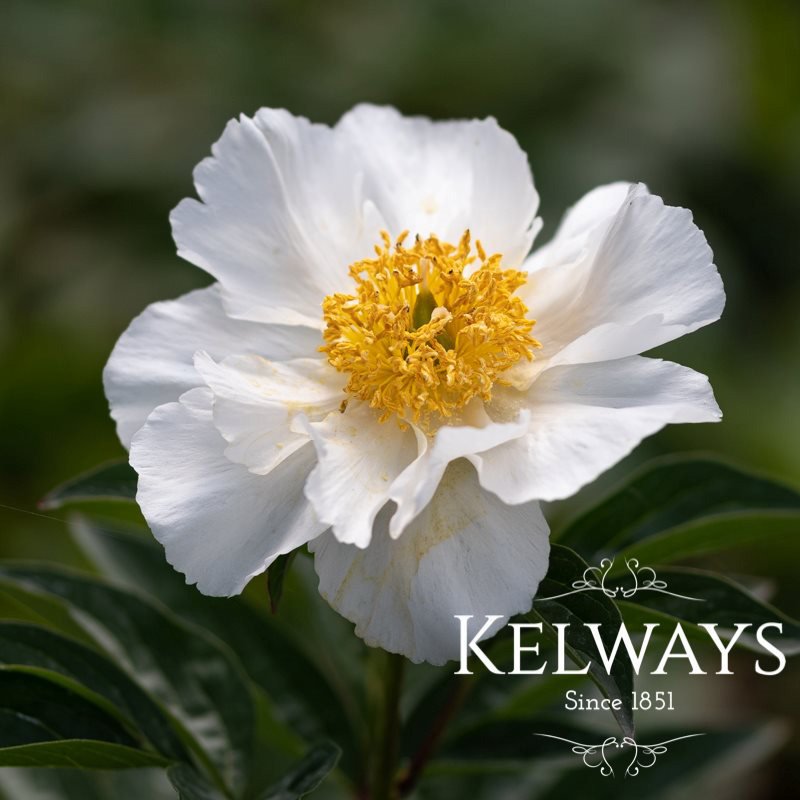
(422, 335)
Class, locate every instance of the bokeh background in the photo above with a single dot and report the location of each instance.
(105, 107)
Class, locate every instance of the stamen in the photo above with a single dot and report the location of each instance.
(418, 339)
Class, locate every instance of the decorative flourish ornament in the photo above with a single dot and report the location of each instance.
(643, 756)
(363, 375)
(644, 580)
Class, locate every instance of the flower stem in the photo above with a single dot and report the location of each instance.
(388, 730)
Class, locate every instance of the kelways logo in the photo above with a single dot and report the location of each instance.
(678, 647)
(613, 643)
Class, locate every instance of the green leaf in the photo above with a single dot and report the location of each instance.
(680, 491)
(73, 686)
(275, 577)
(20, 604)
(43, 723)
(114, 481)
(711, 534)
(194, 676)
(574, 610)
(721, 601)
(34, 709)
(290, 663)
(78, 753)
(191, 785)
(307, 775)
(272, 736)
(37, 647)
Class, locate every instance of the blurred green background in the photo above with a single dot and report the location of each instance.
(105, 107)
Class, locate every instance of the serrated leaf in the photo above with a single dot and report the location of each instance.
(114, 481)
(37, 647)
(574, 610)
(307, 775)
(195, 677)
(304, 690)
(673, 492)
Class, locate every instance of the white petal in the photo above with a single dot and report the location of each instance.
(583, 419)
(635, 280)
(467, 553)
(152, 362)
(359, 458)
(287, 206)
(282, 217)
(415, 486)
(219, 523)
(256, 400)
(594, 211)
(446, 177)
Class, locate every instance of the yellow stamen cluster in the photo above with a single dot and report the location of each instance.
(422, 335)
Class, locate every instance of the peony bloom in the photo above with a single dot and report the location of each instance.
(365, 375)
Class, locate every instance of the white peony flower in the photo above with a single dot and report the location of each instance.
(363, 376)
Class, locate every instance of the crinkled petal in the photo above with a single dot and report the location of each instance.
(447, 177)
(415, 486)
(282, 214)
(467, 553)
(220, 524)
(584, 419)
(617, 284)
(359, 458)
(152, 363)
(256, 401)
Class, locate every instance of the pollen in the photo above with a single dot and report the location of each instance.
(428, 328)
